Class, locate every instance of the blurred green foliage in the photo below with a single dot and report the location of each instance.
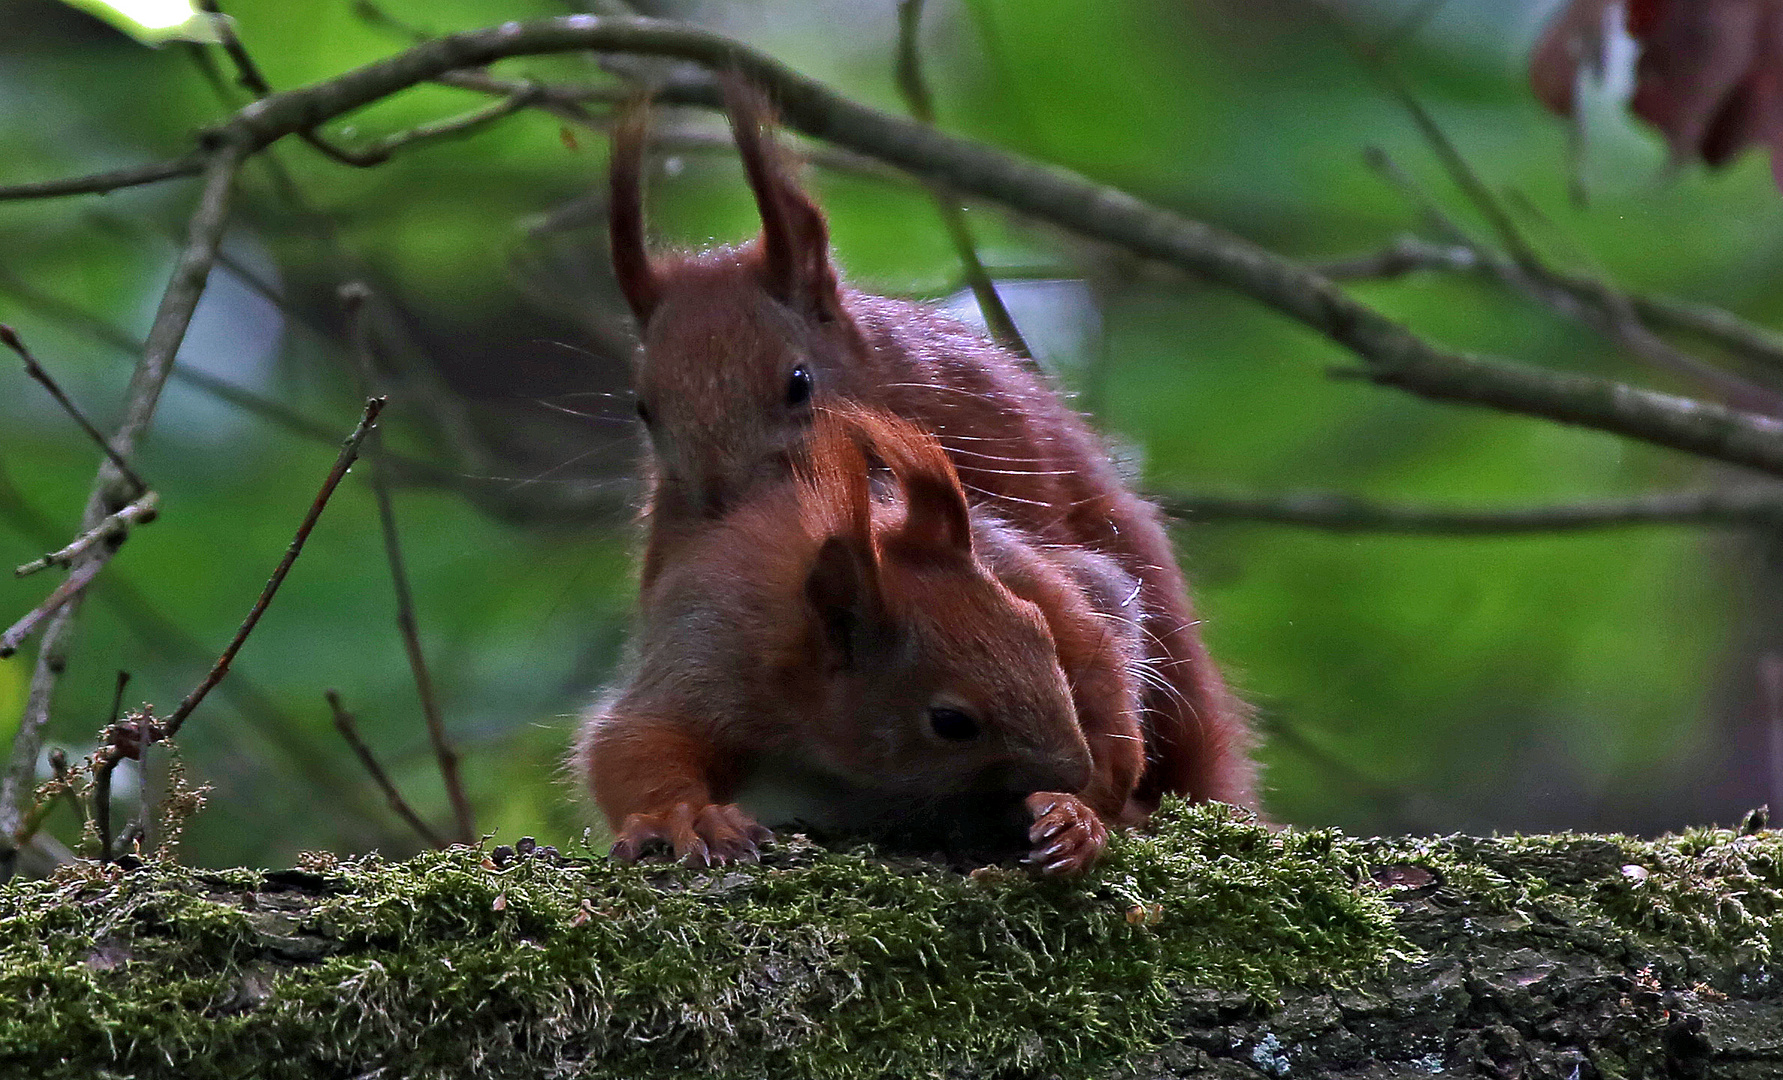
(1601, 680)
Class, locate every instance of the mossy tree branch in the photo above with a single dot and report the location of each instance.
(1213, 947)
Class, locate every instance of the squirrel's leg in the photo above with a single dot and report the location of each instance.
(654, 782)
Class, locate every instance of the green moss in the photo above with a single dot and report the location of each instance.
(819, 963)
(1700, 901)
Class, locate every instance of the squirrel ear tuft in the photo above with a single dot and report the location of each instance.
(795, 240)
(637, 275)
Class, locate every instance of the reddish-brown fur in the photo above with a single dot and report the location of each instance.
(726, 334)
(798, 646)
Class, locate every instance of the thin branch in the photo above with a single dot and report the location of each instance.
(1594, 303)
(1744, 339)
(1718, 326)
(349, 451)
(344, 723)
(103, 764)
(104, 182)
(916, 96)
(354, 298)
(1405, 255)
(1392, 354)
(1347, 514)
(452, 127)
(78, 579)
(110, 488)
(10, 338)
(114, 527)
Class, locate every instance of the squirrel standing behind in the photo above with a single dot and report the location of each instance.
(828, 657)
(742, 346)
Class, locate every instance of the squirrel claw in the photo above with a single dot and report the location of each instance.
(704, 836)
(1077, 835)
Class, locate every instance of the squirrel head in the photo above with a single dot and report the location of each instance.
(948, 681)
(738, 344)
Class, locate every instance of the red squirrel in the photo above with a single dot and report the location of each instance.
(742, 346)
(826, 656)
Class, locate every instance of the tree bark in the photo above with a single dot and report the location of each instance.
(1210, 947)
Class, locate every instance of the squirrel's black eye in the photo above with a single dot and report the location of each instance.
(953, 725)
(644, 413)
(798, 388)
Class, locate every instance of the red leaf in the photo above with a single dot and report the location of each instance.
(1709, 78)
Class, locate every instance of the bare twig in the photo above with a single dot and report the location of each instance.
(111, 490)
(354, 298)
(60, 786)
(255, 83)
(114, 526)
(1410, 254)
(1405, 255)
(1343, 513)
(349, 451)
(131, 737)
(916, 96)
(111, 180)
(452, 127)
(103, 763)
(344, 723)
(10, 338)
(1744, 339)
(1592, 303)
(79, 578)
(494, 495)
(102, 771)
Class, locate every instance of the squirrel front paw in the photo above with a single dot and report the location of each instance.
(709, 835)
(1067, 835)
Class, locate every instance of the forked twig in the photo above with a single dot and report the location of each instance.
(248, 72)
(140, 512)
(111, 489)
(71, 587)
(10, 338)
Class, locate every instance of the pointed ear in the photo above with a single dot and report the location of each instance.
(795, 238)
(842, 588)
(638, 277)
(937, 524)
